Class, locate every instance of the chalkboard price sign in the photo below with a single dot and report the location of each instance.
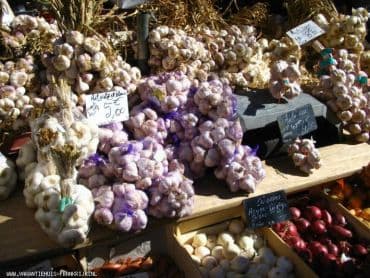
(297, 122)
(266, 210)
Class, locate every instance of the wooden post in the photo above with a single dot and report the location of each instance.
(142, 46)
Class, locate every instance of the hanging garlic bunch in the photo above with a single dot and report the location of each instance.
(64, 207)
(284, 49)
(237, 54)
(8, 177)
(90, 66)
(345, 31)
(305, 155)
(36, 31)
(346, 93)
(18, 88)
(285, 79)
(172, 49)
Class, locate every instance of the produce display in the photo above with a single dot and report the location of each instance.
(324, 240)
(236, 252)
(182, 127)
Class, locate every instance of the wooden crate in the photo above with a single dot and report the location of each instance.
(360, 228)
(218, 222)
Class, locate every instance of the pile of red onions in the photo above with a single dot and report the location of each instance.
(325, 240)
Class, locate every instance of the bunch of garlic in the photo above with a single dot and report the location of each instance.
(242, 170)
(346, 94)
(8, 177)
(65, 220)
(305, 155)
(25, 28)
(365, 61)
(284, 49)
(18, 88)
(216, 100)
(345, 31)
(172, 49)
(237, 53)
(89, 65)
(237, 252)
(284, 80)
(51, 131)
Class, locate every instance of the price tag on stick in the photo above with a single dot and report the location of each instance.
(297, 122)
(305, 32)
(108, 107)
(266, 210)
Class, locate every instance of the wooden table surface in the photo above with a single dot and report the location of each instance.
(22, 239)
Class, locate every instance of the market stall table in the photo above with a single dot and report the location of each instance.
(22, 239)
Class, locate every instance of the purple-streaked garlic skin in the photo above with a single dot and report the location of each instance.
(305, 155)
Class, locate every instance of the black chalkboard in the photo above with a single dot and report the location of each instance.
(266, 210)
(297, 122)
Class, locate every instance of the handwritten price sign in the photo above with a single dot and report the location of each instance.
(305, 32)
(108, 107)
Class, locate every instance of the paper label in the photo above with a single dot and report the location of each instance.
(108, 107)
(305, 32)
(266, 210)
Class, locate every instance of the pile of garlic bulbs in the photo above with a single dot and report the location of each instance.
(64, 207)
(8, 177)
(89, 65)
(236, 252)
(305, 155)
(346, 93)
(232, 53)
(29, 29)
(345, 31)
(284, 80)
(18, 86)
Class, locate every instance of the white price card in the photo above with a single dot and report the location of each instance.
(2, 159)
(305, 32)
(108, 107)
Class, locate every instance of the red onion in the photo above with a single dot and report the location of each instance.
(333, 249)
(312, 213)
(291, 229)
(339, 231)
(295, 212)
(326, 217)
(302, 224)
(297, 243)
(317, 248)
(359, 250)
(319, 227)
(339, 219)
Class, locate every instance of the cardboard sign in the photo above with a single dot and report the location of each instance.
(305, 32)
(266, 210)
(108, 107)
(297, 122)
